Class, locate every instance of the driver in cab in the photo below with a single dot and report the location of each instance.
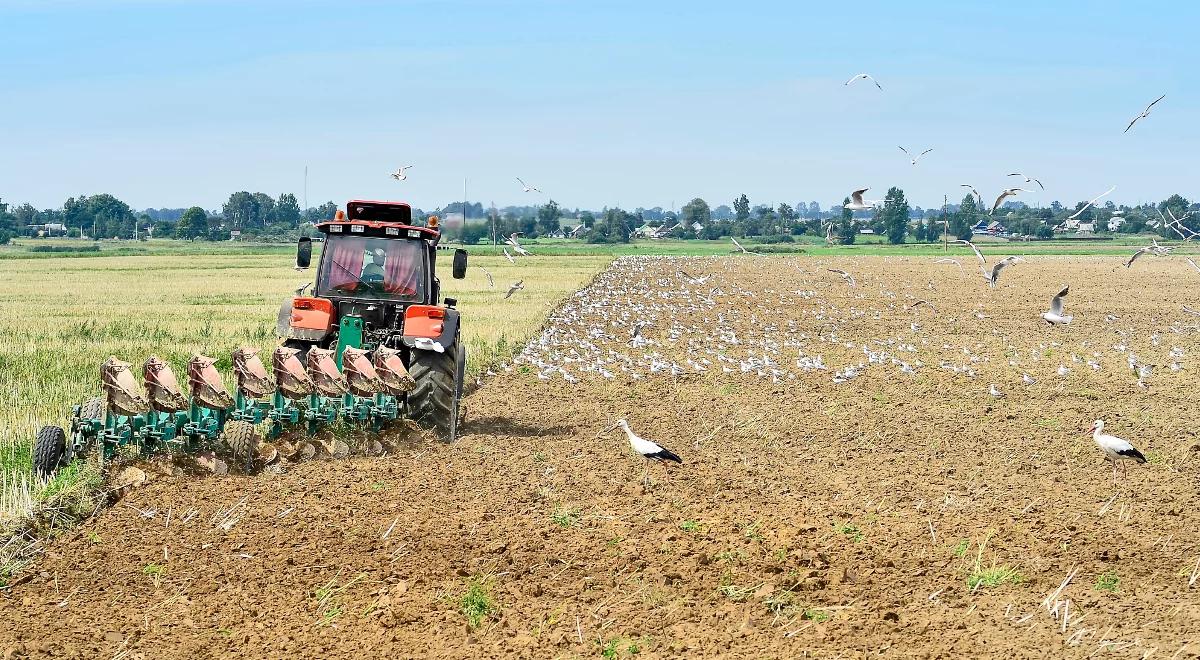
(372, 273)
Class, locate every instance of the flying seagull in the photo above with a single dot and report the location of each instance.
(995, 274)
(1007, 193)
(1093, 201)
(1145, 113)
(951, 261)
(516, 286)
(508, 256)
(1146, 250)
(1115, 449)
(1029, 179)
(491, 282)
(744, 250)
(857, 203)
(516, 244)
(399, 174)
(845, 276)
(1193, 263)
(914, 160)
(525, 187)
(976, 192)
(692, 279)
(1055, 315)
(864, 76)
(651, 451)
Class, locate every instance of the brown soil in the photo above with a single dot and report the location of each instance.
(808, 516)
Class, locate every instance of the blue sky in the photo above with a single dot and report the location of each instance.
(171, 103)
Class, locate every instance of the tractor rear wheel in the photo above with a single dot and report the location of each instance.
(49, 450)
(433, 403)
(241, 439)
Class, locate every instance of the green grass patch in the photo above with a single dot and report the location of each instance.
(1109, 582)
(850, 530)
(477, 603)
(565, 517)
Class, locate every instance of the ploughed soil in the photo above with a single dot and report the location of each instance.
(825, 508)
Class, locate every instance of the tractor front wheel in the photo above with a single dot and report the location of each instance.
(433, 403)
(49, 450)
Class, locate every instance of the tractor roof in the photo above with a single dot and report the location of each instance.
(387, 219)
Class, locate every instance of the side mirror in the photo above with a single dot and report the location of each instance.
(303, 253)
(459, 270)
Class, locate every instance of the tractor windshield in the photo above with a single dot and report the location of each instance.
(382, 268)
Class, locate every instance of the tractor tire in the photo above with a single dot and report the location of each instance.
(433, 403)
(241, 440)
(49, 451)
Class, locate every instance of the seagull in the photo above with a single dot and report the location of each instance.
(1189, 310)
(399, 174)
(516, 244)
(1055, 315)
(1063, 370)
(1193, 263)
(525, 187)
(516, 286)
(1146, 250)
(1145, 113)
(1007, 193)
(845, 276)
(914, 160)
(995, 392)
(744, 250)
(647, 449)
(508, 256)
(491, 282)
(302, 287)
(1029, 179)
(995, 275)
(951, 261)
(1028, 380)
(864, 76)
(976, 192)
(1115, 449)
(1093, 201)
(857, 203)
(919, 303)
(693, 279)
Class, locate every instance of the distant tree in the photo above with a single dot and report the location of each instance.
(895, 215)
(240, 211)
(587, 219)
(845, 229)
(920, 235)
(696, 211)
(8, 224)
(962, 221)
(322, 213)
(25, 215)
(722, 212)
(1178, 206)
(264, 207)
(192, 224)
(787, 216)
(814, 210)
(741, 208)
(766, 220)
(548, 218)
(287, 211)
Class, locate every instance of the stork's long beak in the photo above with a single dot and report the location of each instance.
(615, 425)
(1092, 429)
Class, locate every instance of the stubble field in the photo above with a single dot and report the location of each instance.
(849, 487)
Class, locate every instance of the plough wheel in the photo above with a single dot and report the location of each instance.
(241, 440)
(433, 403)
(49, 450)
(92, 409)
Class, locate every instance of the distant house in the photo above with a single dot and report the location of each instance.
(578, 231)
(868, 230)
(988, 228)
(1086, 227)
(697, 227)
(1115, 222)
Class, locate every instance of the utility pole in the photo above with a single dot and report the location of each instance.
(946, 234)
(305, 215)
(493, 225)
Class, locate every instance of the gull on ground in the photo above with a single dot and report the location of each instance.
(1115, 449)
(525, 187)
(922, 302)
(864, 76)
(399, 174)
(1055, 315)
(918, 157)
(1145, 113)
(1028, 380)
(692, 279)
(516, 286)
(845, 276)
(1028, 179)
(995, 392)
(1092, 201)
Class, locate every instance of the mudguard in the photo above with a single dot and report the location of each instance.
(421, 337)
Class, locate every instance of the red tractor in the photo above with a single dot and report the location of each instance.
(377, 287)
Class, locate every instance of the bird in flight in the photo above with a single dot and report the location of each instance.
(1149, 249)
(744, 250)
(1055, 315)
(525, 187)
(1144, 113)
(857, 203)
(508, 256)
(845, 276)
(516, 244)
(1029, 179)
(516, 286)
(399, 174)
(1011, 192)
(1115, 449)
(491, 282)
(692, 279)
(1093, 201)
(951, 261)
(914, 160)
(976, 192)
(865, 76)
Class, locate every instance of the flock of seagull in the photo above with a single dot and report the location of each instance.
(653, 317)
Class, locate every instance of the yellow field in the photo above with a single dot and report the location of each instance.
(60, 318)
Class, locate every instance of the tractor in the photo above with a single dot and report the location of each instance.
(375, 341)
